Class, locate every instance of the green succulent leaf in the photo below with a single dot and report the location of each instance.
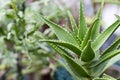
(65, 51)
(67, 45)
(73, 23)
(117, 16)
(82, 23)
(88, 35)
(70, 71)
(108, 1)
(112, 47)
(105, 77)
(100, 40)
(59, 50)
(101, 79)
(88, 53)
(99, 69)
(108, 77)
(108, 56)
(96, 28)
(77, 69)
(60, 32)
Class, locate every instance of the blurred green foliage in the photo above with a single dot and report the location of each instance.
(20, 31)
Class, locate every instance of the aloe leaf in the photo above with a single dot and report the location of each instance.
(101, 79)
(60, 32)
(59, 50)
(112, 47)
(88, 35)
(66, 52)
(67, 45)
(117, 16)
(99, 69)
(73, 23)
(88, 53)
(108, 77)
(100, 40)
(68, 69)
(96, 28)
(108, 1)
(108, 56)
(82, 24)
(77, 69)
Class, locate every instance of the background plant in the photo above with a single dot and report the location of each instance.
(19, 35)
(109, 1)
(80, 47)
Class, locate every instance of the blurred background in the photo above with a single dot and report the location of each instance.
(23, 56)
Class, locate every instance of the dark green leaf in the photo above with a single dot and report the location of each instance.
(67, 45)
(75, 67)
(88, 53)
(60, 32)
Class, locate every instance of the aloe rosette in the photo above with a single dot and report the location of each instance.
(85, 42)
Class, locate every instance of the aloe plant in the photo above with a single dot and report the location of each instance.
(85, 42)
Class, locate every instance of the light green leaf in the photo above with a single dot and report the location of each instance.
(73, 23)
(96, 28)
(112, 47)
(88, 35)
(68, 69)
(58, 49)
(108, 57)
(82, 24)
(105, 77)
(117, 16)
(88, 53)
(100, 40)
(60, 32)
(98, 70)
(108, 77)
(101, 79)
(108, 1)
(65, 52)
(67, 45)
